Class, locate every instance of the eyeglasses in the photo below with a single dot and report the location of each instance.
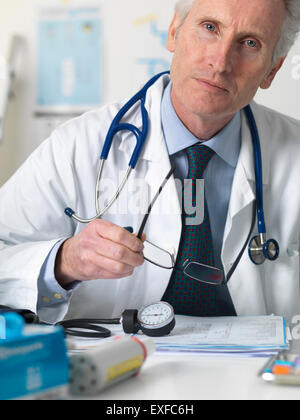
(164, 259)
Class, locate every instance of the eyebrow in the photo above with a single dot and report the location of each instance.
(251, 33)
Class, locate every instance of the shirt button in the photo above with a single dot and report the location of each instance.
(46, 299)
(57, 296)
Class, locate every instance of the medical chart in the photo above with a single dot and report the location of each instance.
(69, 66)
(228, 331)
(237, 336)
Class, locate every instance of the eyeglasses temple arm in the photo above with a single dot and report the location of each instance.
(141, 230)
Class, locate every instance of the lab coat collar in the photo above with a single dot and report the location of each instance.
(225, 143)
(152, 149)
(243, 188)
(244, 182)
(155, 149)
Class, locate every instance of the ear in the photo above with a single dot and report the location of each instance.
(266, 83)
(171, 39)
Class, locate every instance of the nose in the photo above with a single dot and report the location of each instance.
(221, 58)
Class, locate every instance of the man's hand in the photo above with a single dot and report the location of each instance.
(101, 251)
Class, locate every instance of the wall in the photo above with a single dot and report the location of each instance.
(123, 43)
(128, 45)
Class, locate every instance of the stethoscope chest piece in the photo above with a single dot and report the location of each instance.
(261, 250)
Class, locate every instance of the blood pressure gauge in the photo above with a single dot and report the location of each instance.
(154, 320)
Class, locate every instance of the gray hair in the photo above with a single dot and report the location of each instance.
(289, 31)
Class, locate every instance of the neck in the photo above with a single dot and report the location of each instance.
(202, 127)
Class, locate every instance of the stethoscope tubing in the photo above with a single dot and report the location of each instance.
(258, 170)
(71, 327)
(115, 127)
(141, 137)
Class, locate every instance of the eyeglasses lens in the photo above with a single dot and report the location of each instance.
(203, 273)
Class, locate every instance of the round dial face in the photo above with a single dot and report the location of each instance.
(156, 315)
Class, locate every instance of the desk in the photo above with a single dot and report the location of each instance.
(194, 377)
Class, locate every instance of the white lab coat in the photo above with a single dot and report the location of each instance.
(62, 173)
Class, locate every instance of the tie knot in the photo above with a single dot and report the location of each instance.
(198, 157)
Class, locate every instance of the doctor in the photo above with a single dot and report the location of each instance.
(224, 50)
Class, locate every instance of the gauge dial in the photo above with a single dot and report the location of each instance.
(157, 319)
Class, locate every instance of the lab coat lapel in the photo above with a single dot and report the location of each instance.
(166, 229)
(159, 166)
(154, 165)
(239, 221)
(241, 202)
(243, 187)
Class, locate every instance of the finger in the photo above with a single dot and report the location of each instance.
(119, 235)
(112, 268)
(118, 253)
(105, 275)
(143, 238)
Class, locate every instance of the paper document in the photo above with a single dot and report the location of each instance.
(240, 331)
(244, 336)
(263, 334)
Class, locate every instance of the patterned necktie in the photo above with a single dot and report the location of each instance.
(187, 296)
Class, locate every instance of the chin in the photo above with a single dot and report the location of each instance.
(211, 108)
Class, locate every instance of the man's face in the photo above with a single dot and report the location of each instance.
(223, 53)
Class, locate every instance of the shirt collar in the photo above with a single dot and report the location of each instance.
(226, 143)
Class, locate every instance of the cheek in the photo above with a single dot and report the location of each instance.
(248, 75)
(188, 50)
(246, 90)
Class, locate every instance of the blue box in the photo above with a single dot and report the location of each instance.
(34, 365)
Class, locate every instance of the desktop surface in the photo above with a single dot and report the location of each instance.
(194, 377)
(183, 377)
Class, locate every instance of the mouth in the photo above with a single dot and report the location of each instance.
(212, 86)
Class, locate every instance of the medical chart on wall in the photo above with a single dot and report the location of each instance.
(69, 59)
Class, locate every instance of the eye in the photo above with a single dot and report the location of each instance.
(210, 27)
(250, 43)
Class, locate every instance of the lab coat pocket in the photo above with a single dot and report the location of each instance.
(282, 283)
(288, 260)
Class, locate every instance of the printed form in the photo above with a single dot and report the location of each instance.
(239, 331)
(260, 336)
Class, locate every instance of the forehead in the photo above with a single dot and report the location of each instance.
(265, 16)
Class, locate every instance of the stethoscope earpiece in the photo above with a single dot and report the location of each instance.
(261, 250)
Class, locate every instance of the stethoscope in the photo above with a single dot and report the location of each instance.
(259, 249)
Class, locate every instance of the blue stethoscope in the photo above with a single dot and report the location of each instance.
(259, 248)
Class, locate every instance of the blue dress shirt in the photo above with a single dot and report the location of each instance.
(218, 176)
(218, 179)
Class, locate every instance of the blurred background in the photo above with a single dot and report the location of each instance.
(60, 58)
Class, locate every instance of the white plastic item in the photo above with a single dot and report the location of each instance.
(94, 370)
